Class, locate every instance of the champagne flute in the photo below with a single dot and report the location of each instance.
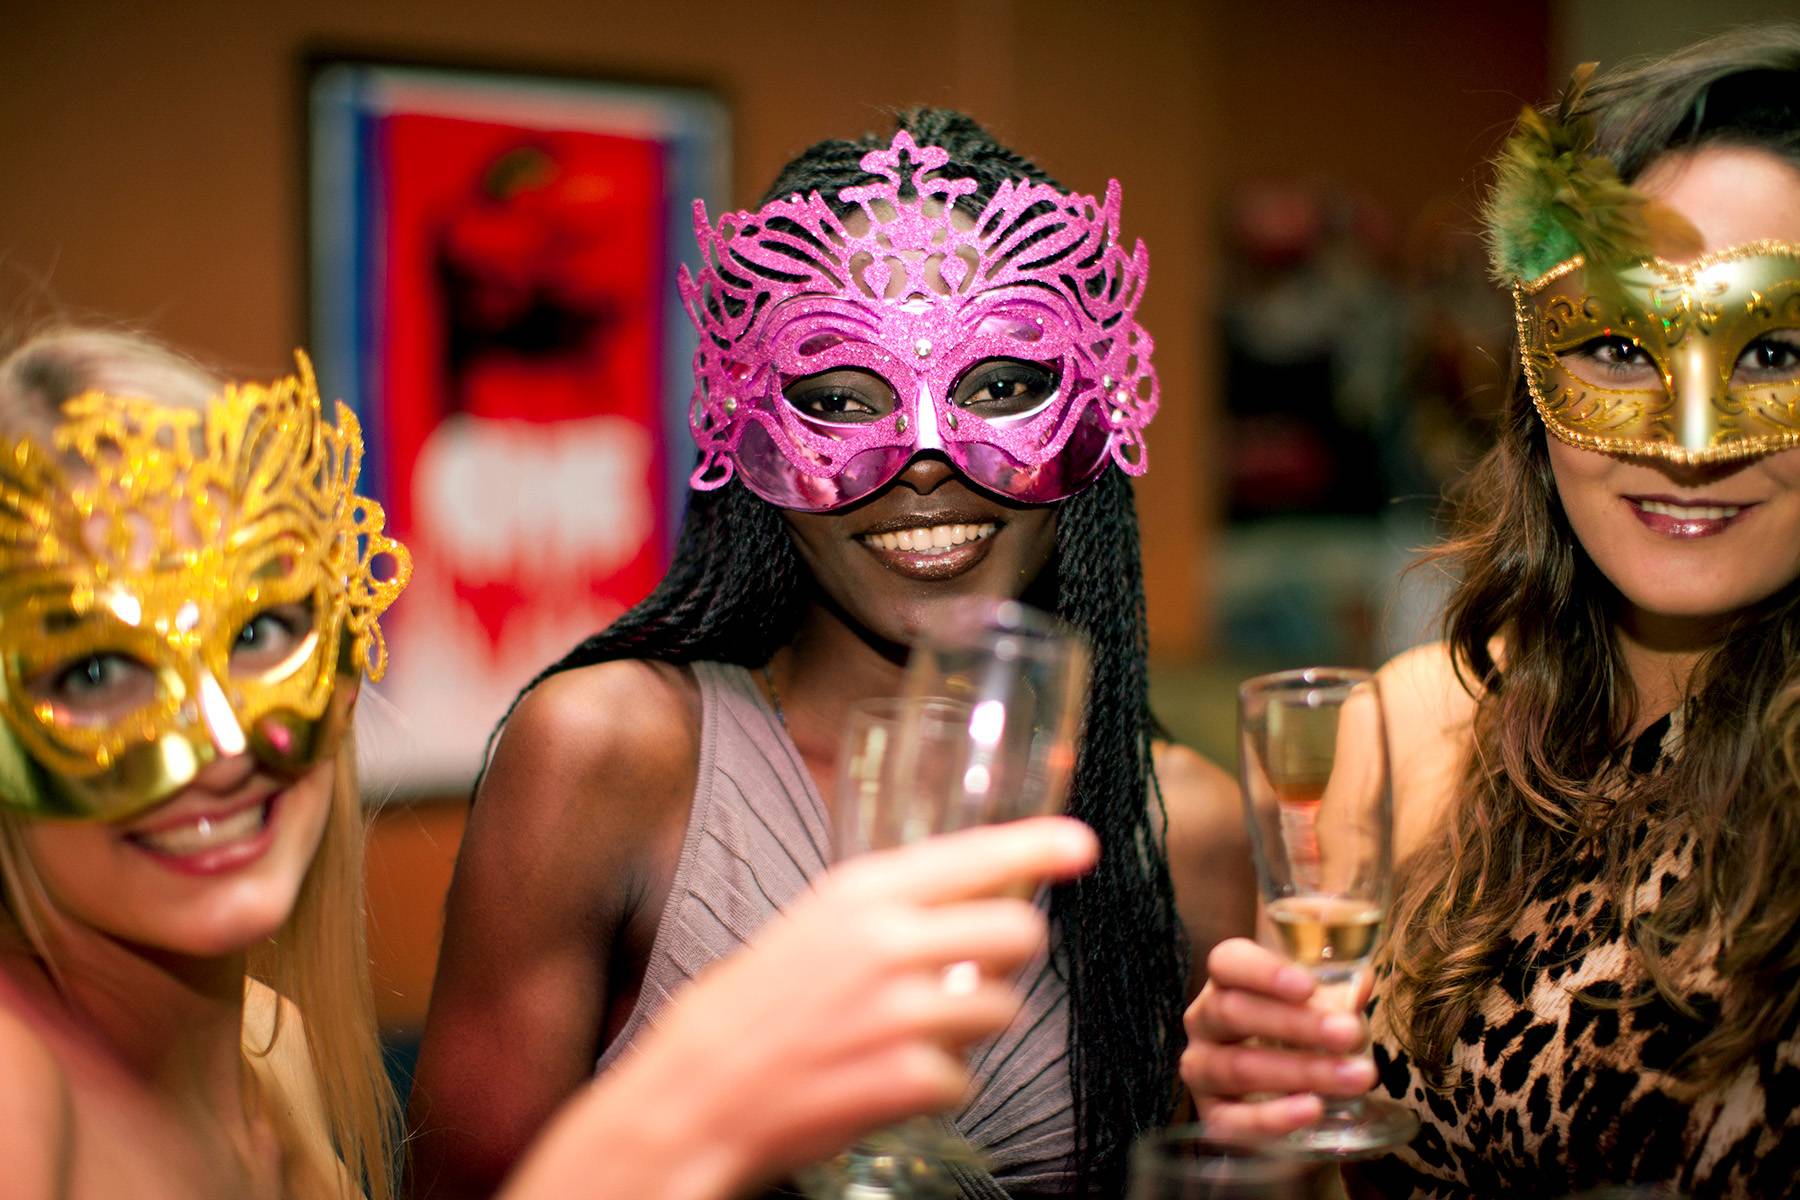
(1313, 763)
(984, 731)
(1014, 680)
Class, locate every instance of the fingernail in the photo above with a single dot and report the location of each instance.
(1354, 1072)
(1340, 1026)
(1299, 1108)
(1295, 980)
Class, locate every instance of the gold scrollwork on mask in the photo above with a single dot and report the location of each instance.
(176, 584)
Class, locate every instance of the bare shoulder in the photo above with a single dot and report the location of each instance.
(1202, 800)
(604, 716)
(1209, 852)
(598, 748)
(37, 1122)
(1430, 716)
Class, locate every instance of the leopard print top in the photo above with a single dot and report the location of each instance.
(1551, 1095)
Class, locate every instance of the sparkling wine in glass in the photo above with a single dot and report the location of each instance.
(1313, 764)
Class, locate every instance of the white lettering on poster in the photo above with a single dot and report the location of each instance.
(521, 500)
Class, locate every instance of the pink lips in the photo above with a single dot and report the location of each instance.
(1684, 517)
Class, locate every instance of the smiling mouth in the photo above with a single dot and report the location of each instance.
(929, 539)
(204, 834)
(1685, 520)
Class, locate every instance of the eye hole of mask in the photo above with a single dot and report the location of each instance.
(96, 689)
(845, 396)
(1614, 362)
(271, 638)
(997, 388)
(1773, 358)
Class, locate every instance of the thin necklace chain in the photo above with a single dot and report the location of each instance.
(774, 694)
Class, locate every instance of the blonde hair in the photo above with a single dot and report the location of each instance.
(318, 959)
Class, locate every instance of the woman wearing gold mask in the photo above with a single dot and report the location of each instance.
(189, 590)
(1593, 972)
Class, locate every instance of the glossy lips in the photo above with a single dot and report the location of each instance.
(930, 546)
(1687, 518)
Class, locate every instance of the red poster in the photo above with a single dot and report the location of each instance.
(512, 347)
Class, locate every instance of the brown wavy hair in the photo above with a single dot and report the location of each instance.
(1542, 784)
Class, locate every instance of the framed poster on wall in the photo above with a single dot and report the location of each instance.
(492, 262)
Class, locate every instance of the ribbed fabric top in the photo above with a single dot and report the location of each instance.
(757, 834)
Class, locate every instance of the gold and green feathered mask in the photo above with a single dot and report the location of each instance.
(1627, 352)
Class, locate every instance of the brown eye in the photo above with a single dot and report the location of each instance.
(1005, 387)
(1613, 361)
(1771, 358)
(843, 397)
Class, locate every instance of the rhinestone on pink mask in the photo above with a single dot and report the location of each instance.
(917, 295)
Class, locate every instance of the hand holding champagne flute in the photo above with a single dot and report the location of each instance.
(1313, 765)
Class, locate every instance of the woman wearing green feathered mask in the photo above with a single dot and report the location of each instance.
(1593, 971)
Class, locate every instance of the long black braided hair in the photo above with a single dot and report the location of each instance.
(736, 592)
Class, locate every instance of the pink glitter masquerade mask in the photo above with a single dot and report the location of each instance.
(834, 348)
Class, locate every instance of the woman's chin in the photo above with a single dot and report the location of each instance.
(224, 927)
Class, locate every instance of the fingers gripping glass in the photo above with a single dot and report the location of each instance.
(1313, 764)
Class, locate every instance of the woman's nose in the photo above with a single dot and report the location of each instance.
(225, 773)
(926, 472)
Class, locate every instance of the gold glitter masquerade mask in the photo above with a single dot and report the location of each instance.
(178, 586)
(1694, 362)
(1625, 352)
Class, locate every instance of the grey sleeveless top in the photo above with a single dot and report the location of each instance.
(757, 833)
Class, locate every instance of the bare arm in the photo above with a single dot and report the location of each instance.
(590, 774)
(1252, 1032)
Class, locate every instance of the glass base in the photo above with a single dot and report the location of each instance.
(1364, 1128)
(904, 1162)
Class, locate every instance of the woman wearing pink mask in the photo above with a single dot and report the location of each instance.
(1593, 971)
(920, 378)
(189, 594)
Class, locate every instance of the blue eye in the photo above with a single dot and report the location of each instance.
(94, 674)
(95, 689)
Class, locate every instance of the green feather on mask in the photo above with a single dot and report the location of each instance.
(1554, 197)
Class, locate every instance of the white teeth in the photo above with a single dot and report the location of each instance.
(932, 539)
(205, 833)
(1685, 512)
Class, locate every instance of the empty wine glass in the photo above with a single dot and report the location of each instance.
(1313, 763)
(1018, 679)
(984, 731)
